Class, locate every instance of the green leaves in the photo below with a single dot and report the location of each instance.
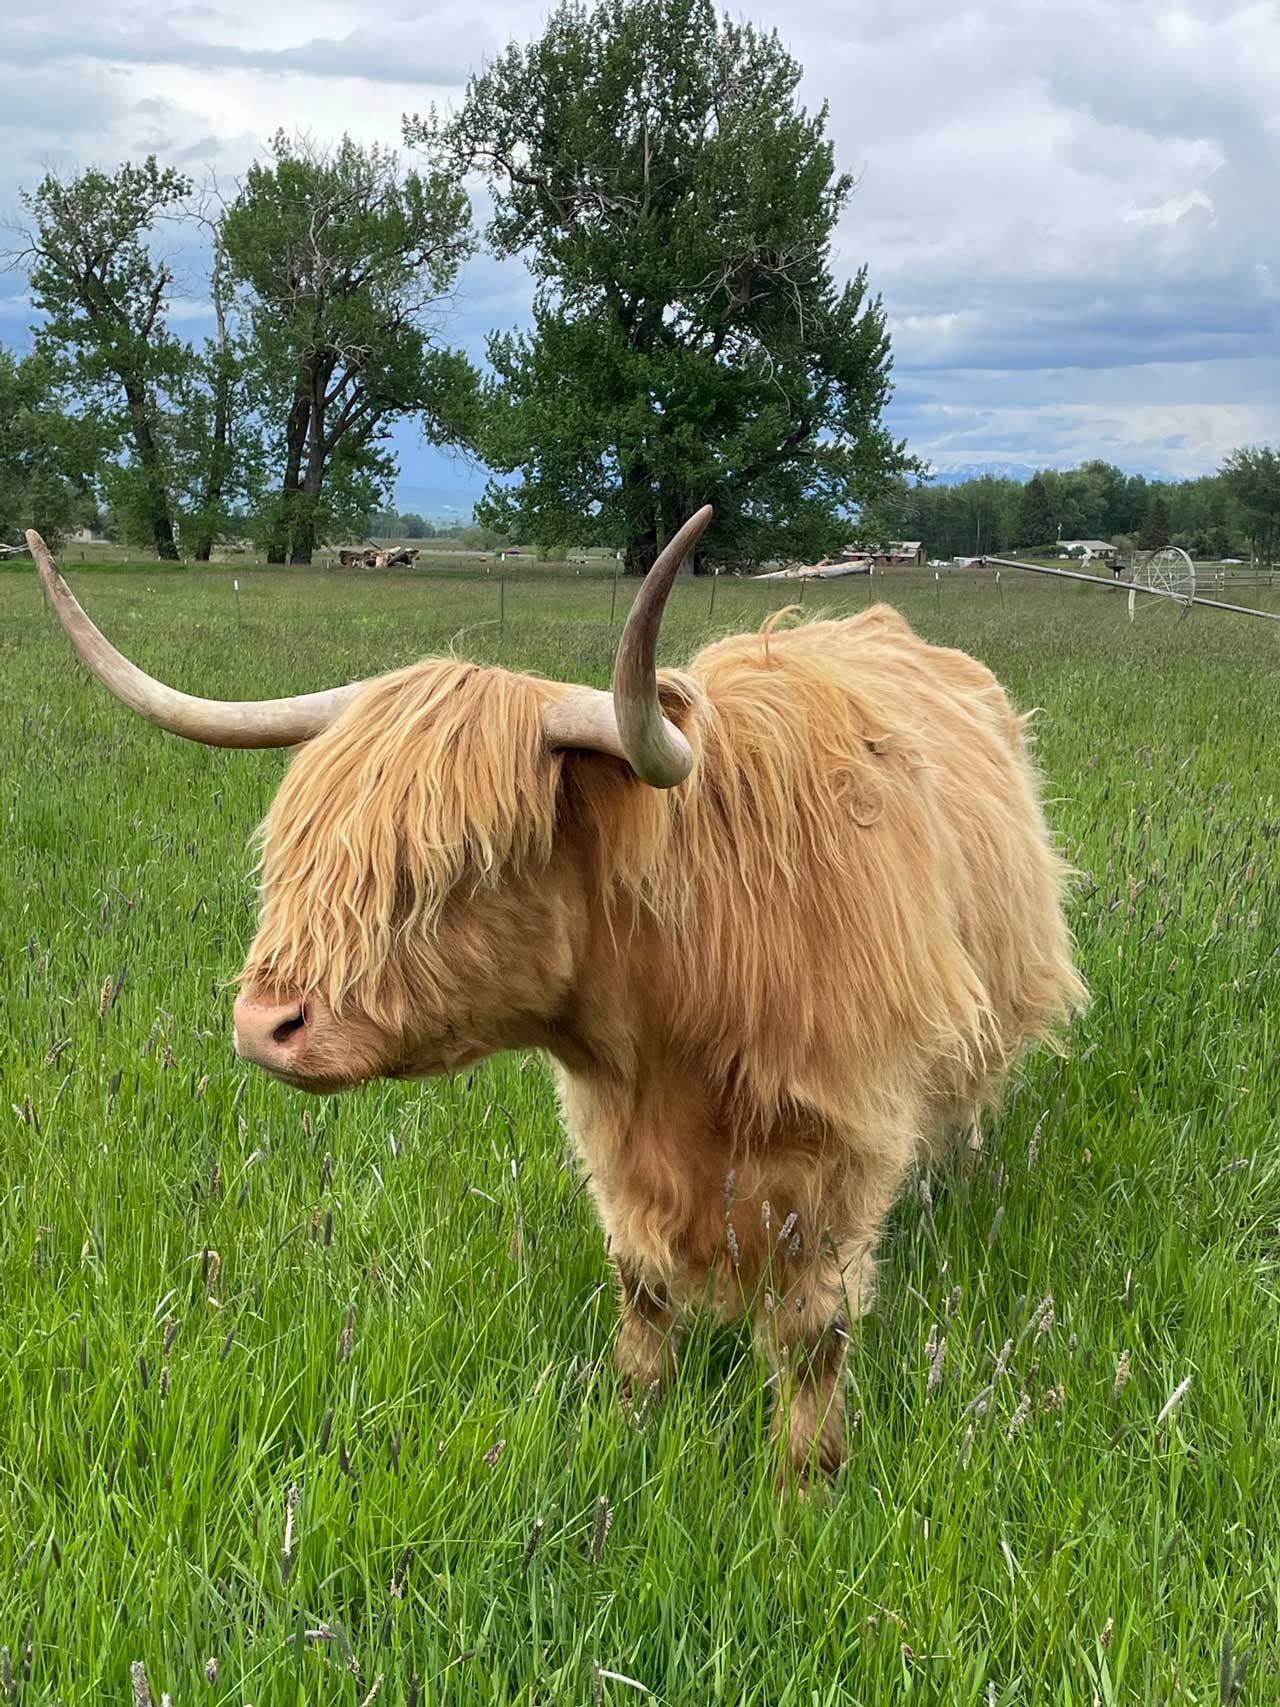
(104, 295)
(1036, 523)
(1252, 477)
(342, 263)
(677, 209)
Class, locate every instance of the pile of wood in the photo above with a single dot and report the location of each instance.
(376, 557)
(829, 569)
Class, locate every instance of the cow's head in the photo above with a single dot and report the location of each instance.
(422, 892)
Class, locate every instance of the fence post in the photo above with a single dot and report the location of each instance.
(711, 608)
(613, 601)
(502, 602)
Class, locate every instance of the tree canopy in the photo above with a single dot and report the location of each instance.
(103, 295)
(1155, 527)
(344, 263)
(1252, 477)
(690, 343)
(1036, 524)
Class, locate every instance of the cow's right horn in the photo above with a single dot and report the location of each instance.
(629, 723)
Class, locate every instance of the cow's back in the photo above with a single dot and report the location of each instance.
(879, 897)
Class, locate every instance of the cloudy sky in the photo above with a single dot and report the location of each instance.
(1068, 207)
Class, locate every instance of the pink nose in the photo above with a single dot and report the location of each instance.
(271, 1034)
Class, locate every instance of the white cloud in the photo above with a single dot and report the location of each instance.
(1066, 206)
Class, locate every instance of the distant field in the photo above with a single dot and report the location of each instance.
(213, 1292)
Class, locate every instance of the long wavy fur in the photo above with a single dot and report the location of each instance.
(853, 897)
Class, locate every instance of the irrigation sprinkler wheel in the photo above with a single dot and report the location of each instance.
(1169, 572)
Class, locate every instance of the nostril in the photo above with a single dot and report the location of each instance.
(289, 1028)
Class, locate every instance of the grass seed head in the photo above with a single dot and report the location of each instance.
(1122, 1374)
(347, 1338)
(1020, 1416)
(600, 1528)
(935, 1368)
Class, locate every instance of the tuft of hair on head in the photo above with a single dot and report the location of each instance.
(435, 778)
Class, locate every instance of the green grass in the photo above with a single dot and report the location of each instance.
(213, 1292)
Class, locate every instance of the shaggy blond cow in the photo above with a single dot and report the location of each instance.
(781, 920)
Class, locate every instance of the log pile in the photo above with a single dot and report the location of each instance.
(375, 557)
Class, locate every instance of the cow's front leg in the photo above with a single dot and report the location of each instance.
(648, 1336)
(803, 1334)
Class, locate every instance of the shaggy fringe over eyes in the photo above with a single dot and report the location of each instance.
(434, 776)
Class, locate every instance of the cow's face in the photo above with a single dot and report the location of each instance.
(418, 904)
(416, 913)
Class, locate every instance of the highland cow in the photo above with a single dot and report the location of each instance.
(782, 920)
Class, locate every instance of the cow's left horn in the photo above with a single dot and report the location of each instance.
(629, 723)
(216, 722)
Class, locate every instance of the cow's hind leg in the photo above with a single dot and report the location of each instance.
(648, 1336)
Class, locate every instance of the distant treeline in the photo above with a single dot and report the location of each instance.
(1235, 512)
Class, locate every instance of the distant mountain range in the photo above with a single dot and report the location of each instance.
(1011, 471)
(975, 471)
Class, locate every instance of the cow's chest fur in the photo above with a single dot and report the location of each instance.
(690, 1204)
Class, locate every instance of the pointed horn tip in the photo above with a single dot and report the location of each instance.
(43, 557)
(697, 524)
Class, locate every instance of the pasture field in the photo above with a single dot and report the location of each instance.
(309, 1401)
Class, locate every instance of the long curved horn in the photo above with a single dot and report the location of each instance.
(215, 722)
(629, 723)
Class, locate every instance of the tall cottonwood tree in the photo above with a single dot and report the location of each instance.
(344, 263)
(677, 208)
(1251, 475)
(103, 295)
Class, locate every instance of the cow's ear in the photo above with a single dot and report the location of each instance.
(598, 790)
(677, 697)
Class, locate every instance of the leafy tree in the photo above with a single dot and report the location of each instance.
(344, 263)
(412, 526)
(1251, 475)
(677, 208)
(219, 434)
(1155, 529)
(46, 454)
(1035, 524)
(103, 295)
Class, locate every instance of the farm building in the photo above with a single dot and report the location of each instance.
(901, 551)
(1087, 547)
